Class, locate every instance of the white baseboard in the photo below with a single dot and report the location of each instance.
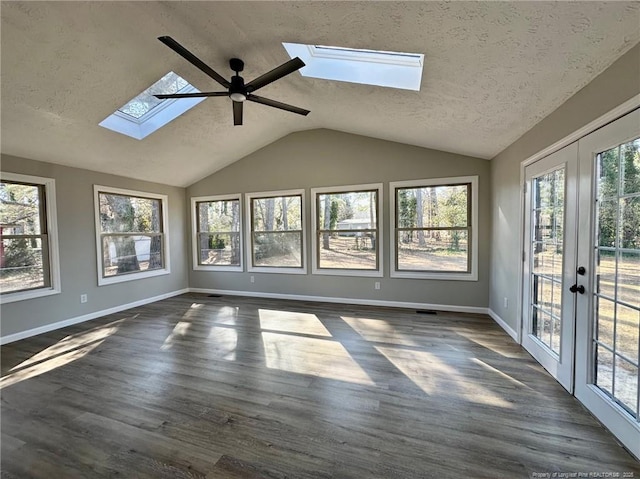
(86, 317)
(502, 323)
(327, 299)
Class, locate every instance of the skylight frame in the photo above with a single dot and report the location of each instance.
(401, 70)
(154, 119)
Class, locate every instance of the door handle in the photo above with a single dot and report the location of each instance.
(577, 289)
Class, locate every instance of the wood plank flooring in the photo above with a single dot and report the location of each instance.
(229, 387)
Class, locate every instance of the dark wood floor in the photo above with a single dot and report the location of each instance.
(228, 387)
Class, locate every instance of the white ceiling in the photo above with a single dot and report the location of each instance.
(492, 71)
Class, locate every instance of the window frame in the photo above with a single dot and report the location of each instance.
(249, 197)
(472, 275)
(315, 250)
(49, 213)
(164, 201)
(195, 233)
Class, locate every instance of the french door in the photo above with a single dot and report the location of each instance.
(608, 313)
(550, 268)
(581, 295)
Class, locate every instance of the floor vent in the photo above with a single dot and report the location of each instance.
(214, 296)
(426, 311)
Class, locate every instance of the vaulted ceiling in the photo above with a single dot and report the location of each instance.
(492, 71)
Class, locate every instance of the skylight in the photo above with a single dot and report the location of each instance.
(368, 67)
(144, 114)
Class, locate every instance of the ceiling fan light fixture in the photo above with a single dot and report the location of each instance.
(237, 96)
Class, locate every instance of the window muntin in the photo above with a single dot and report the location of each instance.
(435, 228)
(276, 237)
(346, 224)
(131, 234)
(218, 222)
(29, 261)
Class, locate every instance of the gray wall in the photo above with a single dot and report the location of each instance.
(318, 158)
(76, 236)
(617, 84)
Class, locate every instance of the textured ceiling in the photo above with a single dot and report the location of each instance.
(493, 70)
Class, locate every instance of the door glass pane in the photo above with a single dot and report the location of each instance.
(617, 296)
(547, 221)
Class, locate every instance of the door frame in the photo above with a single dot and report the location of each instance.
(612, 115)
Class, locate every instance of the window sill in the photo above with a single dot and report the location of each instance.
(24, 295)
(131, 277)
(363, 273)
(439, 276)
(260, 269)
(200, 267)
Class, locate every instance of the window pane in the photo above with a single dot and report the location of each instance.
(628, 278)
(630, 225)
(437, 250)
(21, 264)
(220, 249)
(608, 174)
(606, 273)
(131, 254)
(630, 157)
(627, 332)
(626, 385)
(607, 223)
(280, 213)
(218, 216)
(348, 211)
(129, 214)
(604, 369)
(432, 206)
(604, 321)
(19, 209)
(347, 250)
(277, 249)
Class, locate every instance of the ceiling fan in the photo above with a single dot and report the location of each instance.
(237, 90)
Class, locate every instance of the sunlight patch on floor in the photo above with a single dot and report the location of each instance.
(436, 378)
(65, 351)
(179, 331)
(318, 357)
(502, 374)
(292, 322)
(224, 343)
(378, 330)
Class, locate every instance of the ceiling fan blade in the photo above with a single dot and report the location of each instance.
(275, 74)
(237, 113)
(192, 95)
(277, 104)
(190, 57)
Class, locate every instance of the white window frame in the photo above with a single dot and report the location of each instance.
(455, 276)
(194, 232)
(49, 185)
(249, 226)
(315, 268)
(102, 280)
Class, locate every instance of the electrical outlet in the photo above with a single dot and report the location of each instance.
(252, 279)
(506, 303)
(377, 285)
(83, 298)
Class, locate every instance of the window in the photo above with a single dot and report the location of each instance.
(276, 239)
(145, 113)
(132, 241)
(435, 233)
(216, 225)
(346, 222)
(29, 264)
(368, 67)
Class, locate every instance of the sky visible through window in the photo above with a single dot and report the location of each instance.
(145, 102)
(369, 67)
